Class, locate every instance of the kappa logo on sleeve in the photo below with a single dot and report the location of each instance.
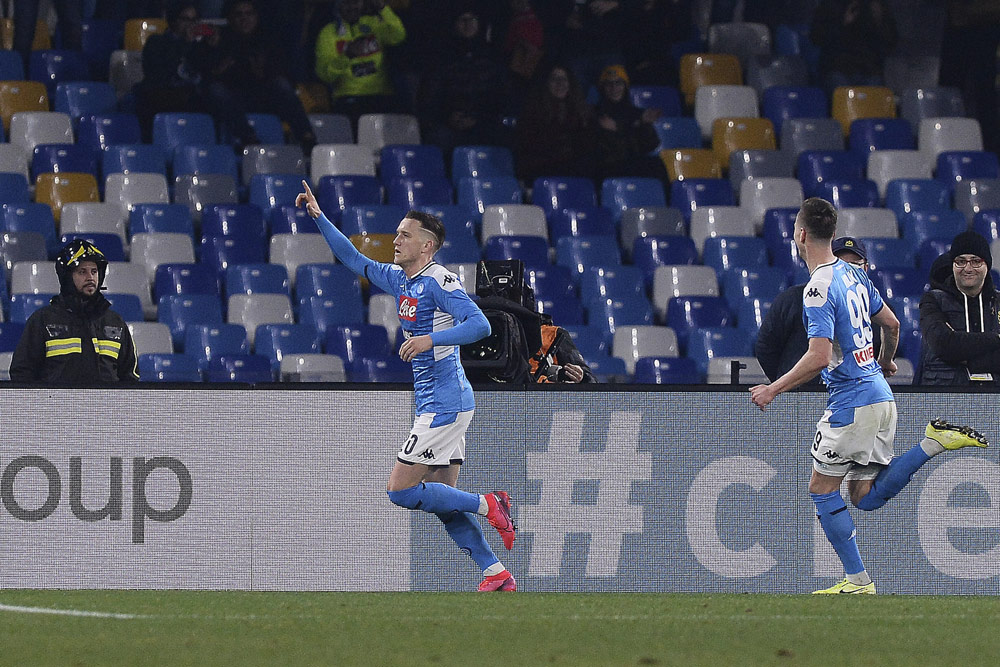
(408, 308)
(815, 295)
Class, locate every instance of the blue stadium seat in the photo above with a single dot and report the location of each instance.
(532, 250)
(849, 193)
(289, 219)
(750, 315)
(23, 305)
(372, 219)
(596, 221)
(31, 217)
(178, 311)
(414, 192)
(169, 218)
(109, 243)
(553, 193)
(815, 167)
(238, 220)
(609, 370)
(987, 223)
(454, 217)
(98, 39)
(890, 253)
(13, 189)
(171, 130)
(613, 282)
(566, 310)
(592, 342)
(257, 279)
(460, 246)
(11, 66)
(726, 253)
(220, 252)
(550, 282)
(954, 166)
(79, 98)
(205, 159)
(666, 370)
(127, 158)
(665, 98)
(918, 226)
(270, 190)
(10, 335)
(389, 369)
(778, 224)
(352, 343)
(330, 281)
(247, 368)
(689, 194)
(417, 161)
(792, 39)
(322, 312)
(677, 132)
(204, 342)
(168, 368)
(705, 344)
(618, 194)
(650, 252)
(54, 66)
(930, 250)
(267, 127)
(904, 195)
(579, 253)
(60, 158)
(95, 132)
(337, 193)
(761, 282)
(780, 103)
(609, 314)
(481, 162)
(478, 193)
(184, 279)
(785, 256)
(276, 341)
(686, 314)
(879, 134)
(895, 283)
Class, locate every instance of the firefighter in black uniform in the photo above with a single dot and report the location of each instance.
(77, 338)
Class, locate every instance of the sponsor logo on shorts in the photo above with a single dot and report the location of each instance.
(408, 308)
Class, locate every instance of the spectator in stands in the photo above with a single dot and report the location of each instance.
(782, 339)
(70, 13)
(854, 38)
(350, 56)
(249, 74)
(960, 317)
(77, 338)
(555, 132)
(462, 96)
(626, 139)
(651, 28)
(558, 360)
(173, 64)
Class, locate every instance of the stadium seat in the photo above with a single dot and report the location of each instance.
(125, 71)
(618, 194)
(138, 30)
(30, 217)
(666, 99)
(698, 70)
(896, 283)
(324, 312)
(987, 223)
(381, 129)
(261, 278)
(23, 305)
(271, 159)
(178, 311)
(478, 193)
(291, 220)
(221, 252)
(725, 253)
(253, 310)
(677, 132)
(95, 132)
(31, 128)
(955, 166)
(666, 370)
(868, 223)
(886, 166)
(93, 217)
(312, 368)
(293, 250)
(336, 193)
(205, 342)
(168, 368)
(98, 39)
(710, 221)
(20, 97)
(772, 71)
(204, 159)
(611, 314)
(133, 158)
(930, 250)
(12, 161)
(712, 102)
(127, 190)
(630, 343)
(415, 192)
(411, 161)
(689, 194)
(853, 102)
(267, 127)
(341, 160)
(672, 281)
(270, 190)
(383, 309)
(152, 249)
(910, 71)
(172, 218)
(352, 343)
(196, 191)
(13, 188)
(553, 193)
(19, 247)
(781, 103)
(391, 369)
(686, 314)
(742, 284)
(184, 278)
(761, 194)
(128, 278)
(33, 278)
(854, 193)
(917, 104)
(651, 252)
(171, 130)
(611, 282)
(684, 163)
(918, 226)
(532, 250)
(11, 66)
(239, 220)
(334, 281)
(481, 162)
(975, 195)
(714, 342)
(516, 219)
(244, 368)
(809, 134)
(275, 341)
(56, 190)
(331, 128)
(151, 338)
(744, 40)
(582, 252)
(815, 167)
(76, 99)
(878, 134)
(372, 219)
(936, 135)
(734, 134)
(549, 282)
(649, 221)
(905, 195)
(595, 221)
(883, 253)
(749, 164)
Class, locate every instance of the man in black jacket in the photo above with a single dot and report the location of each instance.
(960, 317)
(77, 338)
(782, 340)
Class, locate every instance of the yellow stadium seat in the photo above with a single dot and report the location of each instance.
(853, 102)
(374, 246)
(16, 96)
(738, 134)
(708, 69)
(684, 163)
(137, 31)
(65, 188)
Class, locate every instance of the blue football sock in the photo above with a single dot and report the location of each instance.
(465, 530)
(436, 498)
(839, 528)
(892, 478)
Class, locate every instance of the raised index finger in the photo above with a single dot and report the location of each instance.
(309, 192)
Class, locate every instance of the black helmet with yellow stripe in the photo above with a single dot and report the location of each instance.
(69, 258)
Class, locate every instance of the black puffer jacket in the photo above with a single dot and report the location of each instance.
(960, 335)
(75, 341)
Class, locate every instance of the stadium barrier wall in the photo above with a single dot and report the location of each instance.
(258, 489)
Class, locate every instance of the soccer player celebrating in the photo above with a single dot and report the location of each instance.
(855, 435)
(437, 316)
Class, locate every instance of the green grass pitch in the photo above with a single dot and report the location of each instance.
(151, 628)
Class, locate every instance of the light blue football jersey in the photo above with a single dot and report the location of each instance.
(838, 302)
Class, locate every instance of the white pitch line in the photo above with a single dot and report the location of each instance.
(68, 612)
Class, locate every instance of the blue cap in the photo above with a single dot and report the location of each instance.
(850, 243)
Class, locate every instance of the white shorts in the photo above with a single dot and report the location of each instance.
(859, 449)
(436, 445)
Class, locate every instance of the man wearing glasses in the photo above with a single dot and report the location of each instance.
(960, 317)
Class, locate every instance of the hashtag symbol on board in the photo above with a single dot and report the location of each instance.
(610, 518)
